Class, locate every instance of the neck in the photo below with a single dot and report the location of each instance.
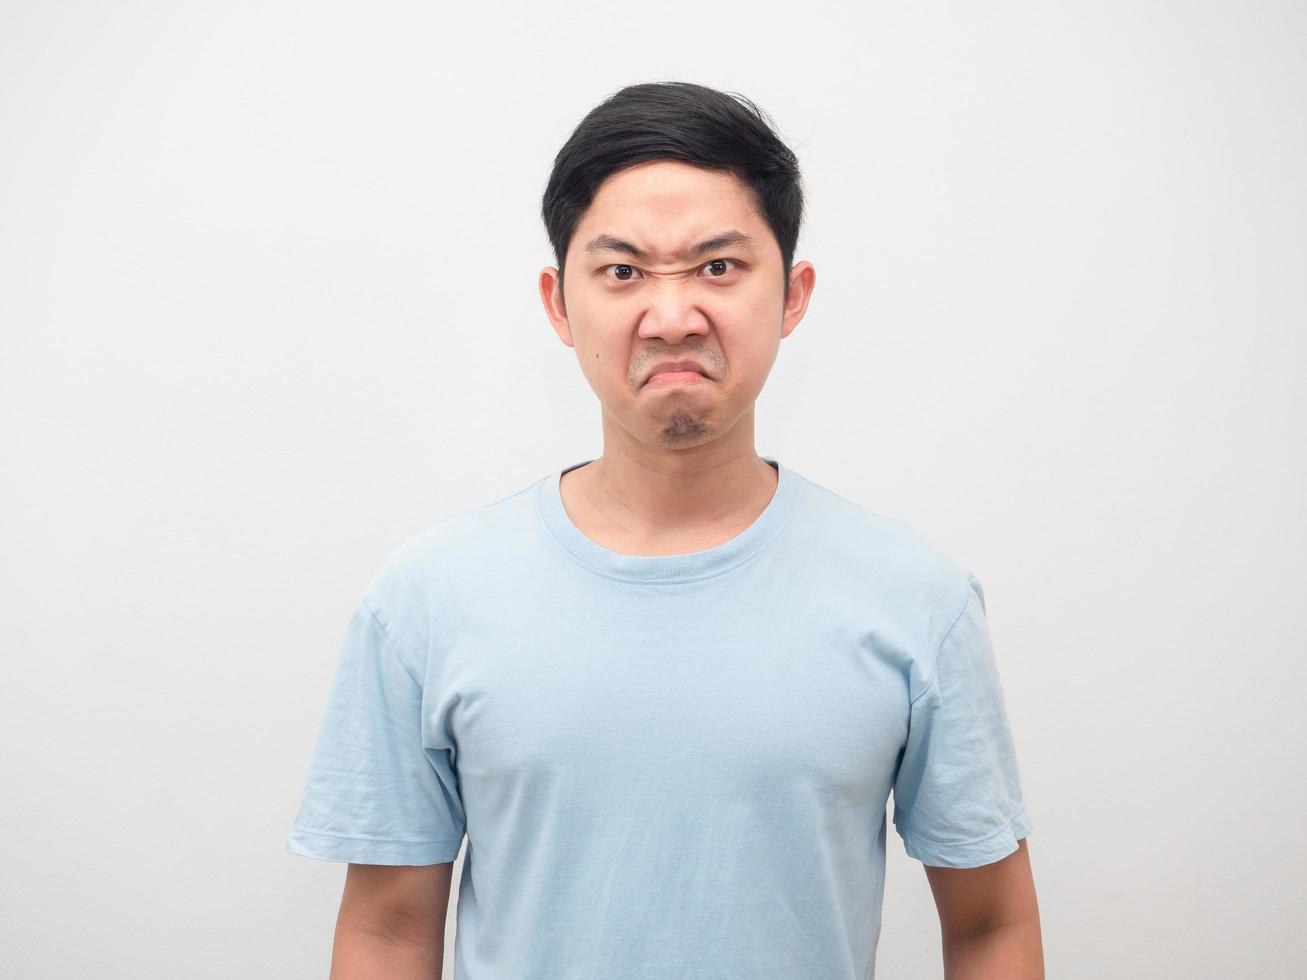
(644, 492)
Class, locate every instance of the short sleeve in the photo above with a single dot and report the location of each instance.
(375, 792)
(957, 791)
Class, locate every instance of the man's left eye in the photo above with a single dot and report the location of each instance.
(717, 266)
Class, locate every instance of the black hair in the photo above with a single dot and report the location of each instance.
(676, 121)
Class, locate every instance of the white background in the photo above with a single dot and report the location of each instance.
(268, 306)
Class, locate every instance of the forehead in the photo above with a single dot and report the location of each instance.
(666, 204)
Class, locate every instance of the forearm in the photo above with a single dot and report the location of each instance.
(1008, 952)
(370, 954)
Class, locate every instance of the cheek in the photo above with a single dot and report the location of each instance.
(601, 362)
(757, 311)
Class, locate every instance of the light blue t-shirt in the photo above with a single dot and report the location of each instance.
(676, 767)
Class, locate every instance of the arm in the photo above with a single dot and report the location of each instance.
(989, 919)
(392, 922)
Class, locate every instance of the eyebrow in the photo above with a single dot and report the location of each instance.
(727, 239)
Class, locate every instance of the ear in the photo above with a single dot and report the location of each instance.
(551, 294)
(802, 279)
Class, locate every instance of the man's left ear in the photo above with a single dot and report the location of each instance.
(802, 279)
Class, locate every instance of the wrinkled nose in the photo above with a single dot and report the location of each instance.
(673, 313)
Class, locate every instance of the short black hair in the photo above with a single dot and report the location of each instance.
(676, 121)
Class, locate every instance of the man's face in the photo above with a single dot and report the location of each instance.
(636, 293)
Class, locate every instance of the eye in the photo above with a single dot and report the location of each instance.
(625, 273)
(717, 265)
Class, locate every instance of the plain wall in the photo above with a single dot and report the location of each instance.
(268, 306)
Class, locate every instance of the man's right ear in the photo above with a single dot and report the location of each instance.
(551, 295)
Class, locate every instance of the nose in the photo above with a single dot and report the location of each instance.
(672, 313)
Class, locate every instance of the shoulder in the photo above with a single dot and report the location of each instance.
(415, 583)
(886, 557)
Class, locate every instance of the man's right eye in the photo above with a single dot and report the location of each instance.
(623, 273)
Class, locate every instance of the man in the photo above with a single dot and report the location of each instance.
(666, 693)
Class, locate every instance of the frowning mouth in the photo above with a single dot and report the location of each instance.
(665, 378)
(676, 372)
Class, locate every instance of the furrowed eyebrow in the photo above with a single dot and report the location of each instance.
(727, 239)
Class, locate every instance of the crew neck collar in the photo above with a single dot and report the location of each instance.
(666, 568)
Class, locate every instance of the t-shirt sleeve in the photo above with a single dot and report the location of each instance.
(957, 791)
(376, 793)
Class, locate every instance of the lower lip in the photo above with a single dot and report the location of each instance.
(675, 378)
